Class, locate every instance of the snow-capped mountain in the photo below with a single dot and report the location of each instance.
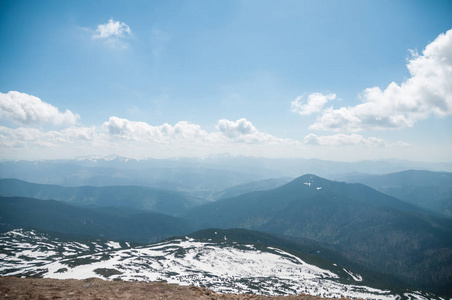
(226, 266)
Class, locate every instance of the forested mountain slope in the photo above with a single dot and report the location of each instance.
(431, 190)
(366, 226)
(138, 197)
(107, 222)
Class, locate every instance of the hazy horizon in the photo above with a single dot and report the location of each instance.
(218, 156)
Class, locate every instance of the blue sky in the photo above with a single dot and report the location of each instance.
(337, 80)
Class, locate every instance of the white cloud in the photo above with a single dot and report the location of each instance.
(140, 139)
(427, 92)
(129, 129)
(244, 131)
(241, 131)
(112, 29)
(343, 140)
(26, 136)
(141, 131)
(25, 109)
(315, 103)
(188, 131)
(113, 34)
(236, 129)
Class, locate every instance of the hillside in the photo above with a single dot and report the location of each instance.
(366, 226)
(431, 190)
(106, 222)
(223, 265)
(261, 185)
(145, 198)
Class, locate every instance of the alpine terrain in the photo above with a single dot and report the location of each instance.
(219, 264)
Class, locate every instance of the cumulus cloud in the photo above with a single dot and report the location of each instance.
(25, 109)
(343, 140)
(235, 129)
(112, 29)
(315, 103)
(244, 131)
(129, 129)
(427, 92)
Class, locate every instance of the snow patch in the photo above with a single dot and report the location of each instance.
(356, 277)
(224, 268)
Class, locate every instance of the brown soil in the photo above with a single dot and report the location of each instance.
(37, 288)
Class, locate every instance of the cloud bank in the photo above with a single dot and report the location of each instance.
(123, 129)
(427, 92)
(344, 140)
(122, 136)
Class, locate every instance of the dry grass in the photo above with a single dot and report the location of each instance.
(37, 288)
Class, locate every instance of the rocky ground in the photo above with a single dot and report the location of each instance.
(37, 288)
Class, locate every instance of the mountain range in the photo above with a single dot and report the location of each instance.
(73, 173)
(362, 224)
(373, 233)
(212, 173)
(145, 198)
(431, 190)
(118, 223)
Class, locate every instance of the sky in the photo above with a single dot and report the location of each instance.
(334, 80)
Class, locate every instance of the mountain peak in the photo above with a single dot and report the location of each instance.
(310, 181)
(310, 177)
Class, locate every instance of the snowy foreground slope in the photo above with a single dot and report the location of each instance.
(222, 267)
